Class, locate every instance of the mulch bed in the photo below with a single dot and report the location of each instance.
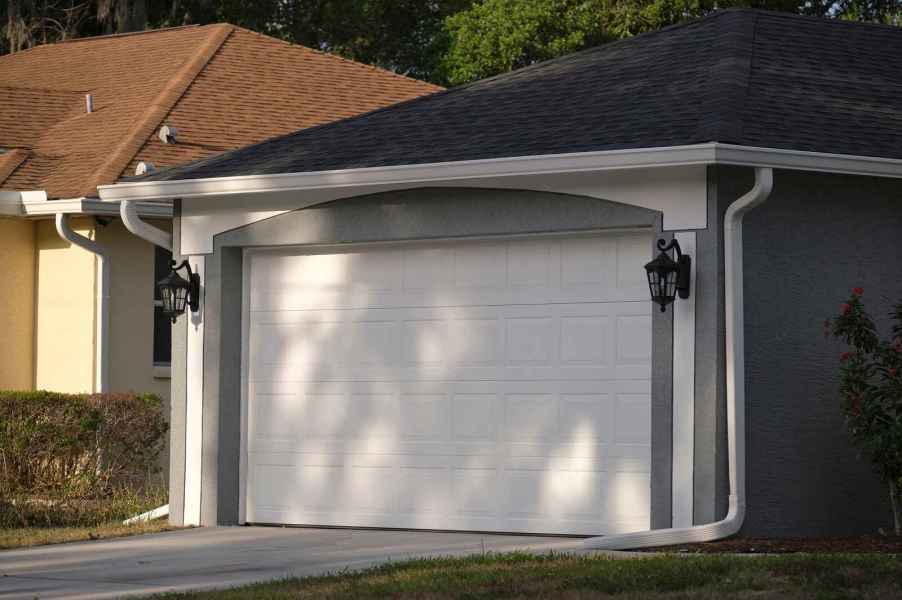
(826, 545)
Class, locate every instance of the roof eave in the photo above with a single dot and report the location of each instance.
(711, 153)
(35, 204)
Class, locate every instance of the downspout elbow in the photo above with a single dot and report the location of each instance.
(128, 210)
(735, 388)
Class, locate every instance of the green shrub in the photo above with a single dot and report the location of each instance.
(69, 459)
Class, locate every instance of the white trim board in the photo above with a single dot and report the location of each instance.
(696, 154)
(679, 193)
(194, 399)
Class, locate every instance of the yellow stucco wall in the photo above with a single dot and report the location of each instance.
(64, 333)
(66, 310)
(17, 268)
(131, 310)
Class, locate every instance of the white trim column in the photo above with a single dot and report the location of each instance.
(194, 399)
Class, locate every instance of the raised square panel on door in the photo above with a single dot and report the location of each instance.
(499, 385)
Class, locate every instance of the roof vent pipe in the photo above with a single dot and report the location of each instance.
(735, 379)
(145, 168)
(89, 103)
(168, 134)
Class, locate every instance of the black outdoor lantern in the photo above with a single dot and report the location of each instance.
(176, 291)
(668, 277)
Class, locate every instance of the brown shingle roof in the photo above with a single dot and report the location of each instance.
(221, 86)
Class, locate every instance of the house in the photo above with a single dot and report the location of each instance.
(436, 315)
(85, 112)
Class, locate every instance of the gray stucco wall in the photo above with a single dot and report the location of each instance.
(710, 483)
(407, 215)
(815, 238)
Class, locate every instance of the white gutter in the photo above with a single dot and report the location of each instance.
(409, 174)
(128, 210)
(711, 153)
(735, 379)
(102, 351)
(91, 206)
(34, 203)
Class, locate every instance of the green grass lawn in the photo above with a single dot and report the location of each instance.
(23, 537)
(569, 577)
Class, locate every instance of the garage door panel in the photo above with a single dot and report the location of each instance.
(524, 271)
(609, 338)
(498, 386)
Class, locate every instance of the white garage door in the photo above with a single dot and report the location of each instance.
(494, 386)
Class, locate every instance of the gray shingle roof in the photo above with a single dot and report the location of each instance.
(746, 77)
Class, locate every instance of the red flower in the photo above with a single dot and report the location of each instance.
(845, 356)
(846, 308)
(897, 345)
(857, 291)
(856, 404)
(892, 371)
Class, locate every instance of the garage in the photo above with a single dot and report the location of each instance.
(496, 385)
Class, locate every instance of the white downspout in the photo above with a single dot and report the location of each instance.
(102, 349)
(128, 210)
(735, 379)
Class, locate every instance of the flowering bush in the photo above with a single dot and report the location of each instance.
(871, 391)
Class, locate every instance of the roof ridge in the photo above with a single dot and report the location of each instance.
(44, 89)
(339, 57)
(92, 38)
(439, 94)
(107, 36)
(728, 79)
(810, 18)
(134, 140)
(10, 161)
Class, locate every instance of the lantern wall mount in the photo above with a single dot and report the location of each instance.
(176, 292)
(669, 278)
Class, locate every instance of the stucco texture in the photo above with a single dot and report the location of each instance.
(17, 270)
(65, 300)
(816, 237)
(131, 309)
(66, 310)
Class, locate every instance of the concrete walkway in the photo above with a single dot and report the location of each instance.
(218, 557)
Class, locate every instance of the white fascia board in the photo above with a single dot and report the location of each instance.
(412, 174)
(798, 160)
(705, 154)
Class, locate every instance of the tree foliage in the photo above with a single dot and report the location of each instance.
(407, 36)
(444, 41)
(495, 36)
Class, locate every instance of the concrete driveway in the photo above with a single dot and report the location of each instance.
(229, 556)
